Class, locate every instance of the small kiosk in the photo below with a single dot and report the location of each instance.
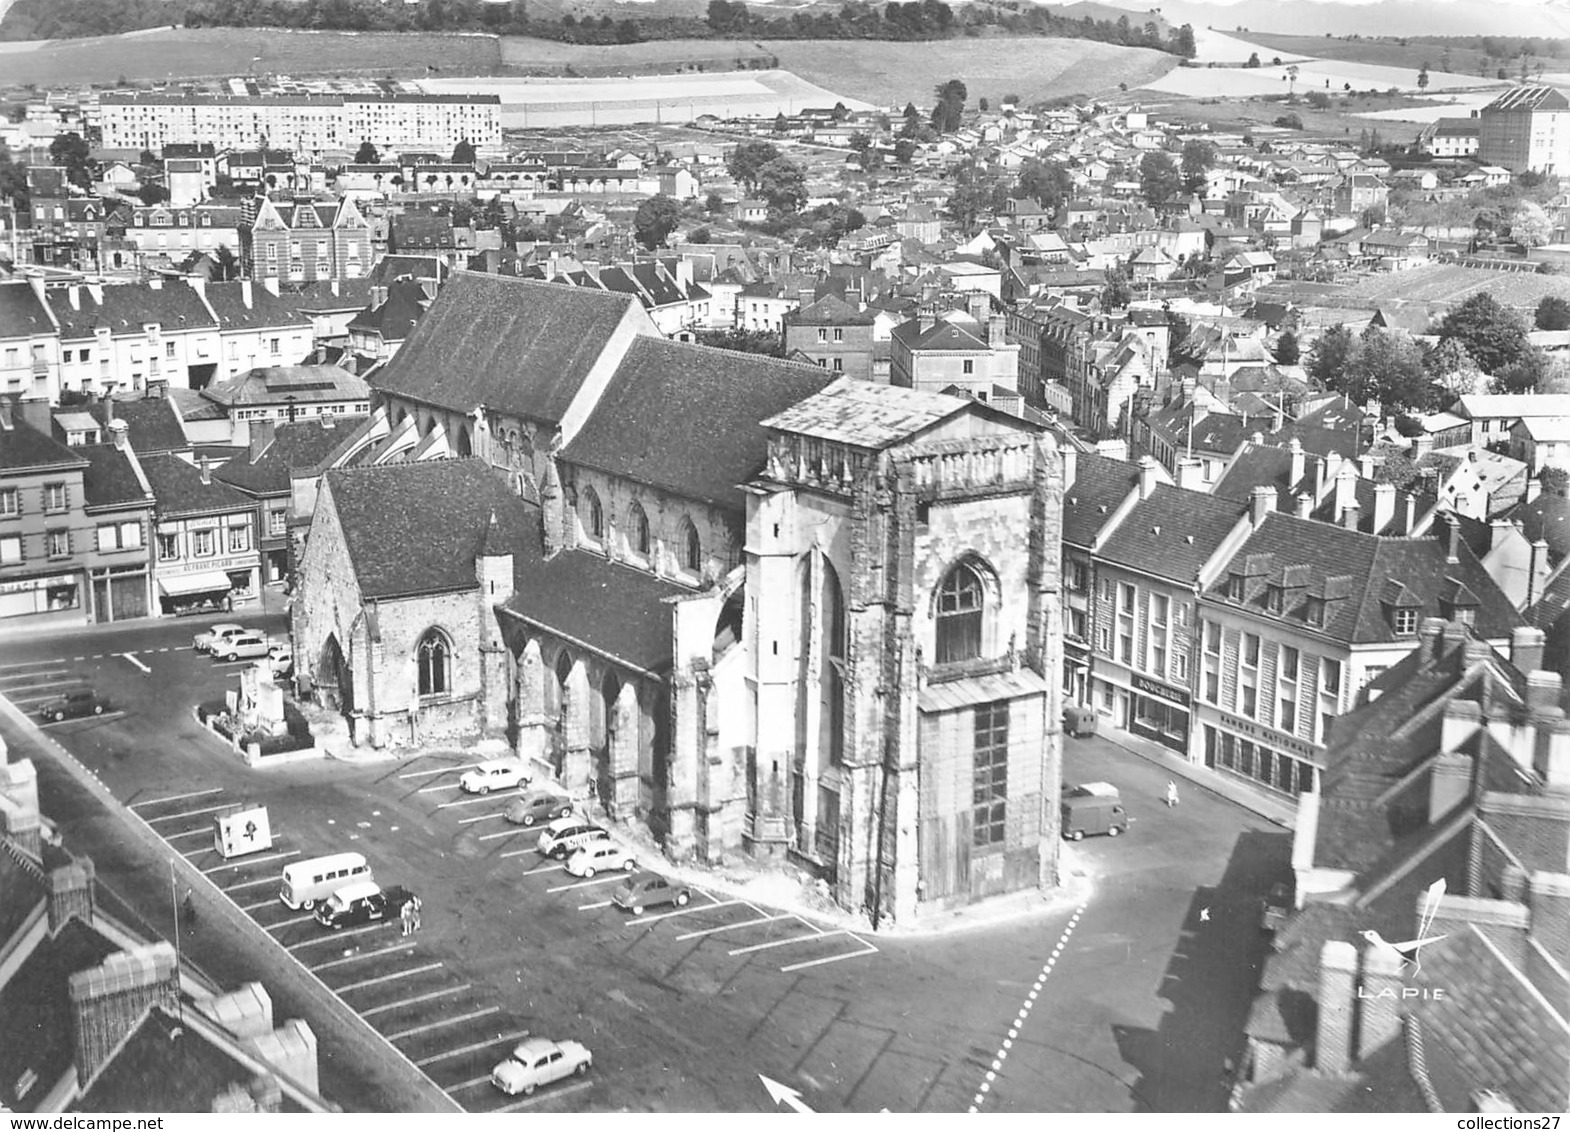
(242, 829)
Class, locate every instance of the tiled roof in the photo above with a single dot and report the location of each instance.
(941, 335)
(1548, 518)
(513, 345)
(127, 307)
(414, 528)
(302, 444)
(109, 480)
(619, 611)
(1172, 533)
(153, 424)
(179, 490)
(265, 311)
(35, 1013)
(1100, 484)
(687, 418)
(23, 446)
(21, 313)
(830, 310)
(867, 415)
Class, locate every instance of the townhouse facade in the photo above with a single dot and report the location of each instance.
(833, 335)
(207, 553)
(304, 241)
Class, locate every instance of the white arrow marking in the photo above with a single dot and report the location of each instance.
(779, 1093)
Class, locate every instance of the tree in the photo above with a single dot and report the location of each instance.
(1048, 183)
(150, 193)
(713, 203)
(656, 219)
(367, 154)
(1289, 122)
(1253, 61)
(1287, 350)
(1529, 225)
(1331, 362)
(781, 123)
(71, 152)
(783, 184)
(147, 157)
(13, 180)
(1181, 42)
(1494, 336)
(1422, 78)
(982, 105)
(950, 108)
(1391, 364)
(1291, 77)
(1117, 293)
(463, 152)
(227, 265)
(904, 150)
(1159, 180)
(747, 159)
(700, 236)
(1553, 313)
(1199, 156)
(764, 342)
(1524, 375)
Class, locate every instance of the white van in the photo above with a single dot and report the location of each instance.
(306, 882)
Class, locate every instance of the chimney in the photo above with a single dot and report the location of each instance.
(1551, 759)
(1384, 506)
(1542, 694)
(74, 293)
(978, 307)
(207, 470)
(245, 293)
(1351, 516)
(1070, 457)
(1449, 784)
(1191, 474)
(804, 297)
(1534, 488)
(71, 893)
(1299, 461)
(36, 412)
(1305, 505)
(1461, 720)
(1379, 1003)
(1452, 537)
(198, 284)
(1365, 465)
(270, 284)
(1526, 648)
(926, 319)
(1261, 503)
(1147, 476)
(1548, 897)
(262, 433)
(996, 334)
(1429, 634)
(1346, 489)
(1337, 973)
(1538, 569)
(109, 1000)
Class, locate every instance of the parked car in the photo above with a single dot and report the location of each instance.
(600, 857)
(242, 646)
(361, 903)
(496, 774)
(565, 835)
(81, 701)
(538, 805)
(204, 642)
(649, 890)
(539, 1061)
(282, 658)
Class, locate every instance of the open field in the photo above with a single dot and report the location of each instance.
(1313, 74)
(225, 52)
(1448, 283)
(892, 74)
(1384, 52)
(548, 56)
(1346, 118)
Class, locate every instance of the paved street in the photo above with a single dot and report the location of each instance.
(1130, 1004)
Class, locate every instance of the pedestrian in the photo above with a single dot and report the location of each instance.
(414, 913)
(1172, 797)
(406, 918)
(188, 910)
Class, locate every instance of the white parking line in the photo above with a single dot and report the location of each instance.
(250, 884)
(259, 905)
(537, 1097)
(461, 1050)
(132, 658)
(586, 883)
(186, 814)
(359, 955)
(521, 852)
(870, 950)
(474, 801)
(496, 836)
(733, 927)
(687, 911)
(783, 942)
(251, 861)
(416, 1000)
(545, 868)
(438, 770)
(291, 920)
(440, 1023)
(334, 936)
(592, 907)
(482, 817)
(205, 831)
(176, 798)
(435, 789)
(469, 1084)
(412, 971)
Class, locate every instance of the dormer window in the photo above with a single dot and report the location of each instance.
(1315, 613)
(1235, 587)
(1405, 622)
(1275, 598)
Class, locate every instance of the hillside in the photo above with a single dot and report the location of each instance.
(1386, 52)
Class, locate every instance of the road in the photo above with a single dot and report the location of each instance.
(1129, 1002)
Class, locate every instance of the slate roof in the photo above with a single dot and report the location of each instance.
(325, 295)
(830, 310)
(110, 479)
(127, 307)
(688, 418)
(512, 345)
(266, 311)
(23, 446)
(1172, 533)
(21, 313)
(865, 415)
(1266, 465)
(179, 490)
(301, 444)
(1548, 518)
(1100, 484)
(153, 424)
(396, 317)
(24, 887)
(415, 528)
(941, 335)
(35, 1012)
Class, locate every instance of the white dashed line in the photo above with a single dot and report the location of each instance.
(1024, 1013)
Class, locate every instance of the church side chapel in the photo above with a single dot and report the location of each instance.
(753, 608)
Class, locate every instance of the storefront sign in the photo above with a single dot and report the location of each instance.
(26, 585)
(1154, 688)
(1274, 738)
(207, 565)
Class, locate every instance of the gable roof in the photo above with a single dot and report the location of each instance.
(866, 415)
(22, 314)
(1172, 533)
(265, 310)
(179, 490)
(513, 345)
(416, 528)
(1100, 484)
(110, 479)
(941, 335)
(23, 446)
(298, 444)
(153, 424)
(127, 307)
(688, 418)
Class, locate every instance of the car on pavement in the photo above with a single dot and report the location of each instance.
(649, 890)
(496, 774)
(282, 659)
(600, 857)
(363, 902)
(75, 703)
(241, 646)
(538, 805)
(539, 1061)
(204, 642)
(1275, 906)
(565, 835)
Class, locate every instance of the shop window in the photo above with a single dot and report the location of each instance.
(990, 775)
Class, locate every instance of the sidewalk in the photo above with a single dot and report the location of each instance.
(273, 602)
(1282, 813)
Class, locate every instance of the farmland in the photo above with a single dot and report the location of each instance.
(892, 74)
(525, 55)
(1256, 115)
(1449, 284)
(1383, 52)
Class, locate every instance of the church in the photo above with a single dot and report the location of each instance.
(750, 606)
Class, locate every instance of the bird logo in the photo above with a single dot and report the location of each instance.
(1407, 952)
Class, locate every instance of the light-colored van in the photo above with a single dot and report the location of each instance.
(307, 882)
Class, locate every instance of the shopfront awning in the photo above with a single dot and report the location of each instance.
(184, 585)
(955, 694)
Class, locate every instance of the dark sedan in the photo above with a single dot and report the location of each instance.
(71, 705)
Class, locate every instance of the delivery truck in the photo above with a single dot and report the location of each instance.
(1093, 807)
